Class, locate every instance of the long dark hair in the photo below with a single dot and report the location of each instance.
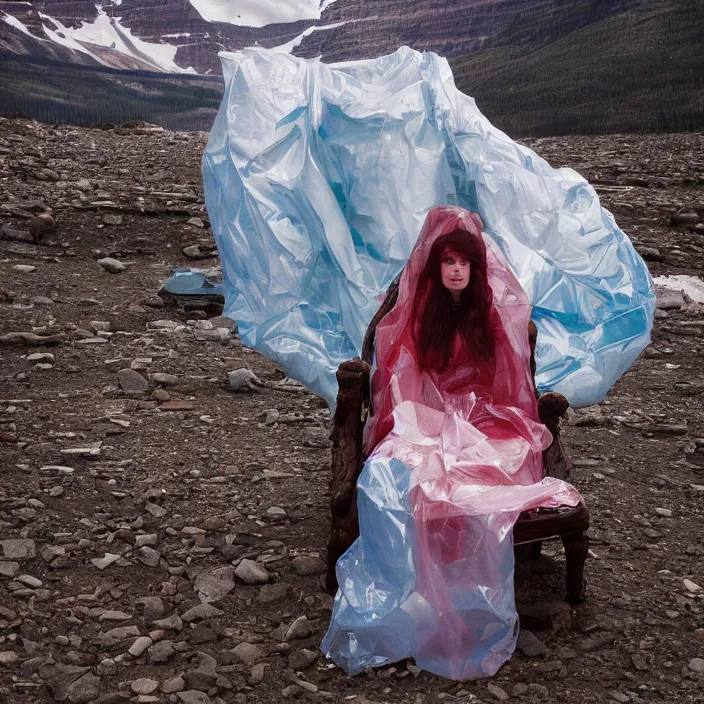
(438, 317)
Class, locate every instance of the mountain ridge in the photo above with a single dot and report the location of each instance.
(173, 37)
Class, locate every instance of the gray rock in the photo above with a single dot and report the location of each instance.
(307, 565)
(41, 301)
(691, 587)
(548, 667)
(201, 613)
(60, 682)
(104, 562)
(9, 569)
(666, 299)
(271, 593)
(42, 225)
(251, 573)
(193, 696)
(213, 523)
(199, 251)
(84, 690)
(10, 233)
(172, 623)
(529, 645)
(117, 635)
(146, 539)
(300, 628)
(200, 680)
(113, 266)
(497, 692)
(232, 552)
(256, 674)
(152, 607)
(7, 614)
(164, 379)
(275, 513)
(215, 584)
(107, 667)
(302, 659)
(304, 685)
(221, 321)
(162, 651)
(140, 646)
(154, 302)
(196, 222)
(131, 381)
(40, 358)
(173, 685)
(243, 380)
(685, 217)
(114, 616)
(112, 219)
(539, 691)
(144, 685)
(248, 653)
(18, 549)
(696, 664)
(293, 690)
(148, 556)
(651, 254)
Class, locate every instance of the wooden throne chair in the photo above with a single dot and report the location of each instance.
(533, 527)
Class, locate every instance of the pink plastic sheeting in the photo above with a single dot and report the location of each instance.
(470, 440)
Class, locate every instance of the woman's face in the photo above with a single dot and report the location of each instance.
(454, 272)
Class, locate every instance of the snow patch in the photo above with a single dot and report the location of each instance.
(693, 286)
(288, 47)
(108, 32)
(259, 13)
(17, 24)
(61, 36)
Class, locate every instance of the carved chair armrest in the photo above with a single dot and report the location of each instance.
(347, 459)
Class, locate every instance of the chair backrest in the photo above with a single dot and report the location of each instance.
(387, 305)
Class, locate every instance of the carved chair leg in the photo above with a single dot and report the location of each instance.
(576, 549)
(347, 458)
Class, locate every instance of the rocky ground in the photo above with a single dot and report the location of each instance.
(161, 537)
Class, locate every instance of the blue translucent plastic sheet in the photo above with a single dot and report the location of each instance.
(319, 177)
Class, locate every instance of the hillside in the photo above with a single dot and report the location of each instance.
(82, 95)
(639, 71)
(177, 36)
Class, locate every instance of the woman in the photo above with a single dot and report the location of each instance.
(454, 455)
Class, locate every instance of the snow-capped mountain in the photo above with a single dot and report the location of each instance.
(180, 36)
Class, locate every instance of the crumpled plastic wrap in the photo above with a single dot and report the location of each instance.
(318, 179)
(431, 574)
